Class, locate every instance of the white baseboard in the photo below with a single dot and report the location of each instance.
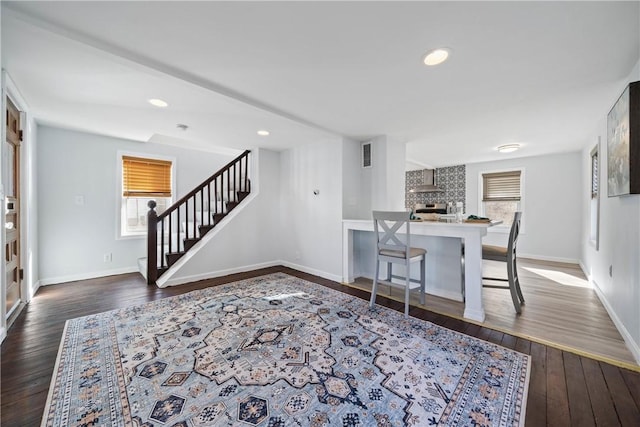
(325, 275)
(213, 274)
(628, 339)
(85, 276)
(548, 258)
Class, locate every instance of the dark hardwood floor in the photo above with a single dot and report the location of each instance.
(565, 389)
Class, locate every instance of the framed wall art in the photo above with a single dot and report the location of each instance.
(623, 143)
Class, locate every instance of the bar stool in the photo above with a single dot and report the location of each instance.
(508, 255)
(392, 250)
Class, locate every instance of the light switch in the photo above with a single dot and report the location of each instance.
(80, 200)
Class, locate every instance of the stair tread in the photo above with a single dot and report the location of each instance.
(175, 253)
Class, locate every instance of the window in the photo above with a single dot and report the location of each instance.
(501, 195)
(143, 179)
(594, 203)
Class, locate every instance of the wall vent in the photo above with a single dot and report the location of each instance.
(366, 154)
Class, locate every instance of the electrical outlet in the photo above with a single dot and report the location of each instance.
(107, 257)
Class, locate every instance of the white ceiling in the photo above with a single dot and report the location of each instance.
(539, 73)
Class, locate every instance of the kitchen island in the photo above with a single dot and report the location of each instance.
(445, 271)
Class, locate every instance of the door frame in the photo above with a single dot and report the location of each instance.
(28, 247)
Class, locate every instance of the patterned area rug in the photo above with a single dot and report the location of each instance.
(278, 351)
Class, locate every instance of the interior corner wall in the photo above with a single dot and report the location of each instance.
(382, 185)
(73, 238)
(552, 214)
(352, 197)
(30, 217)
(251, 239)
(396, 163)
(619, 243)
(380, 174)
(311, 224)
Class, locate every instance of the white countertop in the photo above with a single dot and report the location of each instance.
(432, 228)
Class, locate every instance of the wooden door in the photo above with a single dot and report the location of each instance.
(12, 213)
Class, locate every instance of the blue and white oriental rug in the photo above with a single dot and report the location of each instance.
(278, 351)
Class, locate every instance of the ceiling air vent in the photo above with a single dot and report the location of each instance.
(366, 154)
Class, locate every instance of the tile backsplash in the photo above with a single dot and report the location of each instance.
(450, 179)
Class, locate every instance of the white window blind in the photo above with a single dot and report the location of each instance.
(501, 186)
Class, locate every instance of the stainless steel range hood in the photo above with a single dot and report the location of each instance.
(428, 183)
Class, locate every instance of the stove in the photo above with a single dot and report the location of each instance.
(439, 208)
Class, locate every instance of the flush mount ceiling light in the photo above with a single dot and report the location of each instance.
(508, 148)
(436, 56)
(158, 102)
(263, 132)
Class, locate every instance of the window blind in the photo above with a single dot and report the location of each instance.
(594, 175)
(501, 186)
(145, 177)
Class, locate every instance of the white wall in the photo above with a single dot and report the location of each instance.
(311, 225)
(379, 176)
(552, 213)
(307, 234)
(619, 240)
(73, 239)
(396, 176)
(352, 206)
(382, 186)
(387, 174)
(248, 239)
(283, 222)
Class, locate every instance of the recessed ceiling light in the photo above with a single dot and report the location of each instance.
(158, 103)
(263, 132)
(508, 148)
(436, 56)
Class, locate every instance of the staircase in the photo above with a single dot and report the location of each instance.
(174, 232)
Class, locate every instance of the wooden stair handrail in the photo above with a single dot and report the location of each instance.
(200, 187)
(227, 193)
